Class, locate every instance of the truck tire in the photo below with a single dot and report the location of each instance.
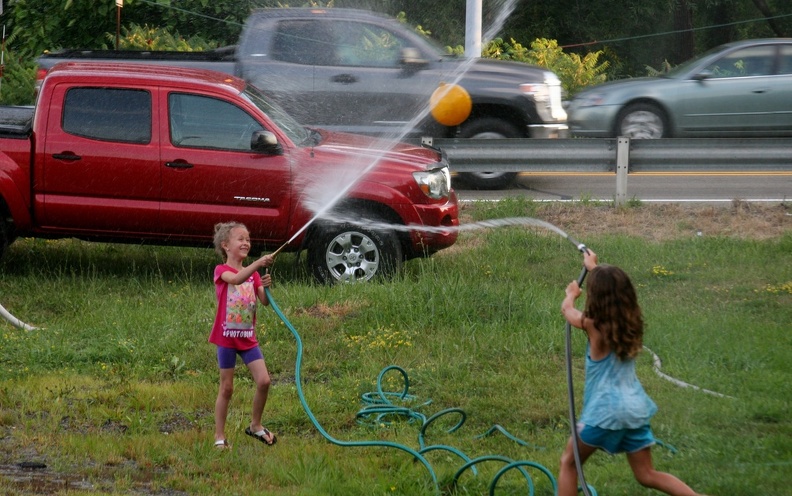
(488, 128)
(345, 252)
(5, 236)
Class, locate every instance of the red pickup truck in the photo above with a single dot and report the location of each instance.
(138, 153)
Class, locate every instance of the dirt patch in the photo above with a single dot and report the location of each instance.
(670, 221)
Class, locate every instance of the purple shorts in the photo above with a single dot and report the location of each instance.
(226, 357)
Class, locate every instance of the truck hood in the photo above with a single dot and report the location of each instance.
(500, 70)
(365, 149)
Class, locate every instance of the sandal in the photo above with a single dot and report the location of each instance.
(222, 444)
(264, 435)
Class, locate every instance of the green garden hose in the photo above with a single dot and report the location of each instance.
(381, 407)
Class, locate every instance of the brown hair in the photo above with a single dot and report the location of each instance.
(612, 304)
(222, 233)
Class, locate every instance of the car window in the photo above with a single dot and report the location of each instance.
(336, 43)
(367, 45)
(204, 122)
(785, 60)
(750, 61)
(108, 114)
(305, 42)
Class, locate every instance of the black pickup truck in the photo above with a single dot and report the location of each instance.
(361, 72)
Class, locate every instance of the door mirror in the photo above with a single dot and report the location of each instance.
(411, 57)
(265, 142)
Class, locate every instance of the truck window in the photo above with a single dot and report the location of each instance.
(204, 122)
(367, 45)
(303, 42)
(336, 43)
(108, 114)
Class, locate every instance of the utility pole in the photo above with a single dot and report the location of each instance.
(473, 29)
(119, 5)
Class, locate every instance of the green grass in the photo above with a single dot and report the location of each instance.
(117, 388)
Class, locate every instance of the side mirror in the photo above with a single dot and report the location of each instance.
(265, 142)
(701, 76)
(412, 57)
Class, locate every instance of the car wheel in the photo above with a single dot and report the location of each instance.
(642, 121)
(345, 252)
(488, 128)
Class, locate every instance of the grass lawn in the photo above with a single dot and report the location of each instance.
(114, 394)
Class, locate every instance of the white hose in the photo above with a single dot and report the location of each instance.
(656, 366)
(15, 321)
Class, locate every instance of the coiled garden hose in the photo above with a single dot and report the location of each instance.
(380, 406)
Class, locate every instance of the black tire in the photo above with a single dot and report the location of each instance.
(6, 238)
(346, 252)
(488, 128)
(642, 121)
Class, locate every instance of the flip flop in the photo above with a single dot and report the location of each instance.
(262, 436)
(222, 444)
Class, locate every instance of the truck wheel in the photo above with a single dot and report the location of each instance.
(348, 252)
(488, 128)
(642, 121)
(5, 236)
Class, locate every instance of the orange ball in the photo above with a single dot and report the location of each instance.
(450, 104)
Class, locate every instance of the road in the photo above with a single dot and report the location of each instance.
(662, 187)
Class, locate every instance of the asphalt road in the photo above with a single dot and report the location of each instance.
(658, 187)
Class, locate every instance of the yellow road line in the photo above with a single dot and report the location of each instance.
(671, 174)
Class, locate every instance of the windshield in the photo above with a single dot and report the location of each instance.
(296, 132)
(687, 65)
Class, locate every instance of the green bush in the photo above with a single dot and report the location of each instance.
(19, 76)
(146, 37)
(575, 72)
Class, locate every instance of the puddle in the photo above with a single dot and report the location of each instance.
(35, 478)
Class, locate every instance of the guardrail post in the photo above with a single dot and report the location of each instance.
(622, 168)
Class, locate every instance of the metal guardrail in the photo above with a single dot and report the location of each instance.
(603, 154)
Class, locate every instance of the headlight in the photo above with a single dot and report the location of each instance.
(590, 100)
(435, 183)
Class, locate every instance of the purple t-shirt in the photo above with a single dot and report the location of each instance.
(235, 322)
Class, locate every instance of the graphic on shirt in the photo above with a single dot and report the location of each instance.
(240, 306)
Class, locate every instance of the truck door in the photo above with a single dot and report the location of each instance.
(99, 166)
(210, 174)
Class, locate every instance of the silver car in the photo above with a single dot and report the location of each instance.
(741, 89)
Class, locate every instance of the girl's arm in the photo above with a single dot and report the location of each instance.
(247, 271)
(572, 314)
(266, 282)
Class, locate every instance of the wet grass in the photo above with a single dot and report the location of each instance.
(114, 394)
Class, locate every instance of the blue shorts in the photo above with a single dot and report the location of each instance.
(226, 357)
(616, 441)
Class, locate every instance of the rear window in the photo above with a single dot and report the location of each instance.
(108, 114)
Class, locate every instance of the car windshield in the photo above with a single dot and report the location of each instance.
(296, 132)
(687, 65)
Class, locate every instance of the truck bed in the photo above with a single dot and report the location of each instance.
(16, 121)
(220, 59)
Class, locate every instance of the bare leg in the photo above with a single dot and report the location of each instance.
(646, 475)
(567, 476)
(223, 399)
(258, 368)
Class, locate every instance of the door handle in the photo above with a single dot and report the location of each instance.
(344, 79)
(762, 90)
(179, 165)
(66, 156)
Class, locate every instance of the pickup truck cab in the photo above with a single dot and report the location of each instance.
(357, 71)
(140, 153)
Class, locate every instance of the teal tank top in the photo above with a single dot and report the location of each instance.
(613, 398)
